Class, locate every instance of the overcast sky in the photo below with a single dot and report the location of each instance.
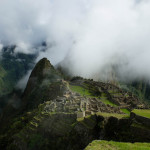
(91, 35)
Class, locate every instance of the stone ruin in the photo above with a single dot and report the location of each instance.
(82, 106)
(72, 102)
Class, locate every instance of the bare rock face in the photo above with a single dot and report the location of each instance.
(44, 83)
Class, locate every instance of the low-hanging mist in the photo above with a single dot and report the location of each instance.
(89, 37)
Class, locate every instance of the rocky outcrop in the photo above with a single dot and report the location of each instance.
(75, 104)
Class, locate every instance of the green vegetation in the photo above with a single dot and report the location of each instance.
(140, 88)
(81, 119)
(106, 101)
(126, 111)
(2, 72)
(142, 112)
(82, 91)
(139, 125)
(13, 68)
(5, 86)
(113, 91)
(36, 141)
(103, 95)
(117, 94)
(111, 145)
(88, 122)
(119, 116)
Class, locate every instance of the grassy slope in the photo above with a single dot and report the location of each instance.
(111, 145)
(126, 111)
(119, 116)
(82, 91)
(142, 112)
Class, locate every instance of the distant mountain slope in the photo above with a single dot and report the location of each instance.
(141, 89)
(13, 66)
(2, 81)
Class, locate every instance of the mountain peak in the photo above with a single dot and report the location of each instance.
(42, 81)
(42, 69)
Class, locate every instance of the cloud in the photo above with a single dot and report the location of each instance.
(1, 47)
(114, 33)
(23, 81)
(89, 36)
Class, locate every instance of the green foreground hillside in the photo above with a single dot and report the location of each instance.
(111, 145)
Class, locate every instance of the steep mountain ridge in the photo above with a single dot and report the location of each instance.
(43, 83)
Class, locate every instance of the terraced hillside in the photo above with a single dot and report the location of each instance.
(106, 93)
(59, 114)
